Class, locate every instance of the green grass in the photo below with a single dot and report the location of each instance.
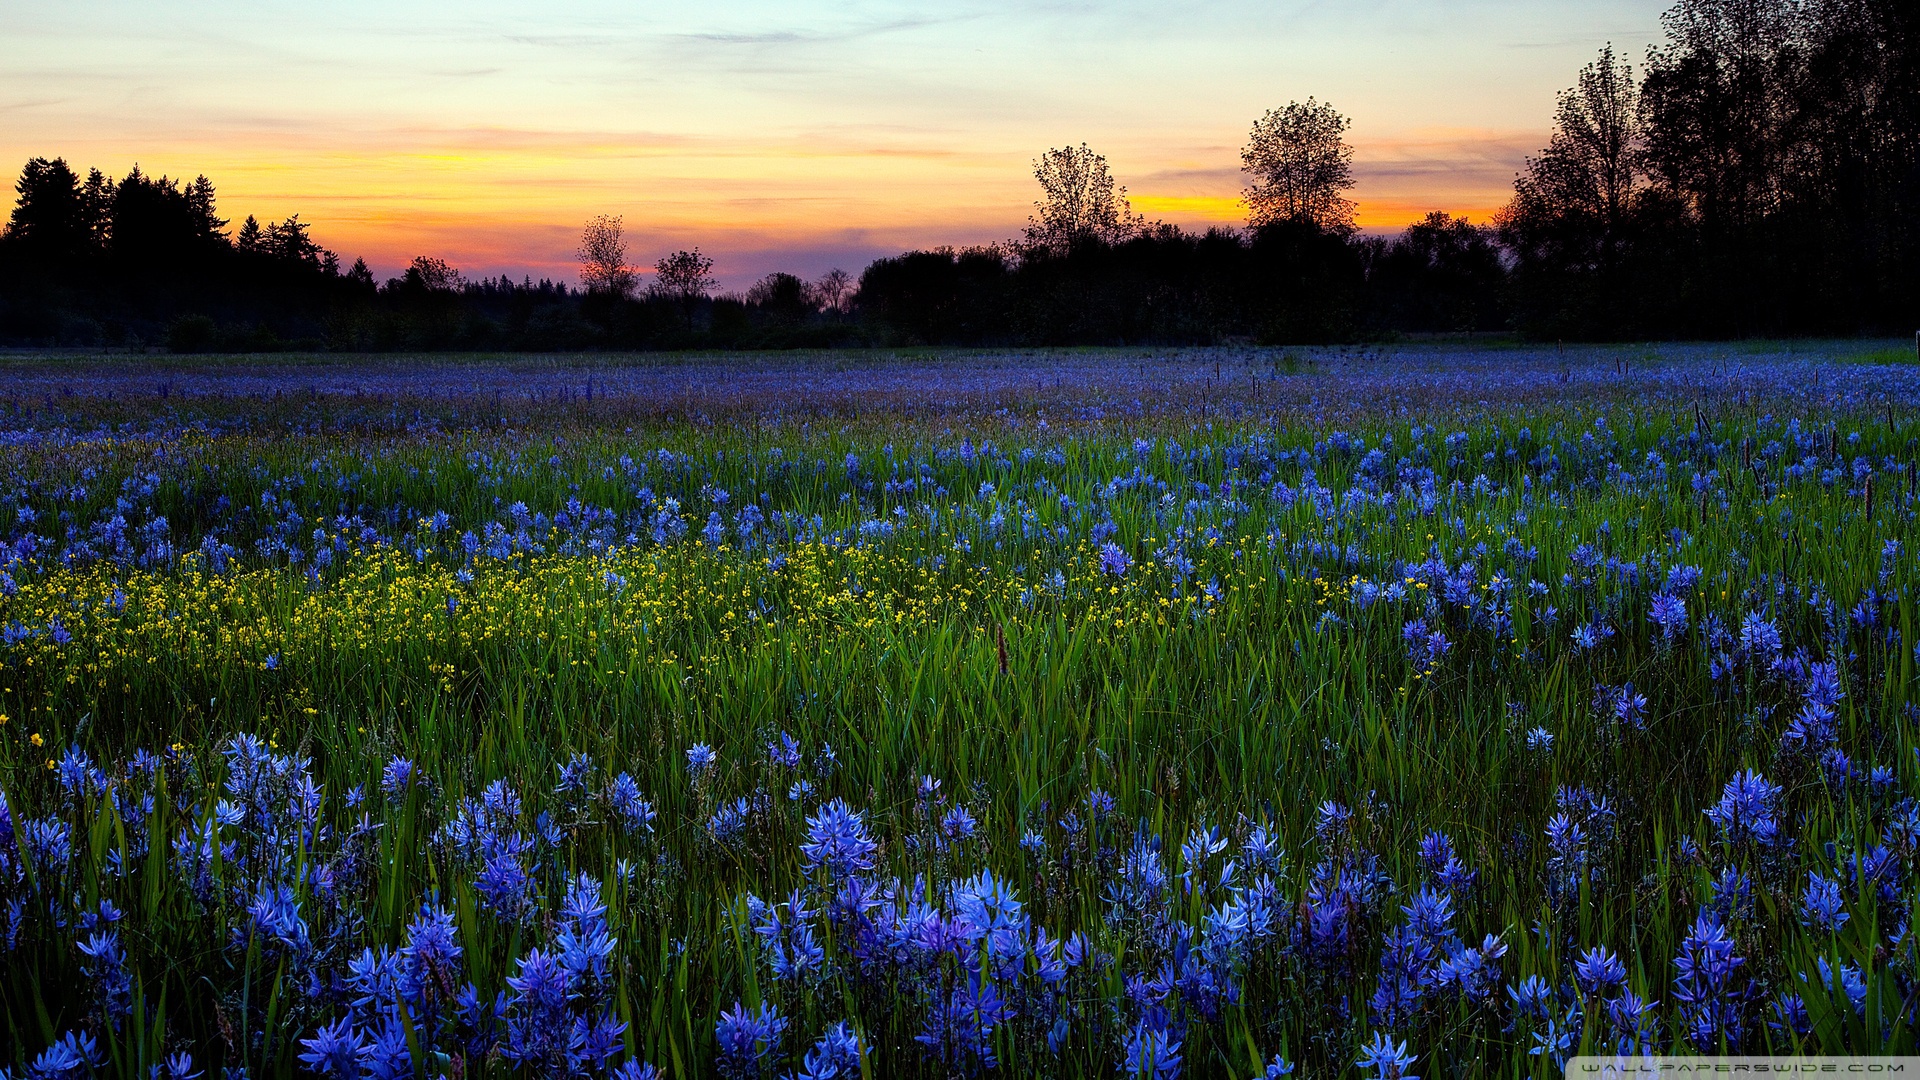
(912, 657)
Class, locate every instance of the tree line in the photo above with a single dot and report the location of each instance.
(1757, 174)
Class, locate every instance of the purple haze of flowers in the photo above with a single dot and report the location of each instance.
(1113, 561)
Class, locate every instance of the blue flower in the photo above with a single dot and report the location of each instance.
(749, 1040)
(539, 1026)
(1703, 985)
(728, 821)
(1669, 613)
(1113, 562)
(785, 753)
(1150, 1053)
(837, 1054)
(1599, 971)
(575, 776)
(700, 758)
(106, 965)
(1748, 810)
(1388, 1060)
(396, 778)
(1759, 639)
(333, 1051)
(1821, 906)
(629, 805)
(837, 839)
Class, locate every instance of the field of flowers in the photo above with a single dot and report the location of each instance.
(1214, 713)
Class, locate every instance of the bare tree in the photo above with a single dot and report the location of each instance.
(603, 257)
(1078, 201)
(834, 290)
(684, 277)
(1300, 163)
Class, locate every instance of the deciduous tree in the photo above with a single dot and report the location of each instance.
(1300, 163)
(603, 257)
(1079, 201)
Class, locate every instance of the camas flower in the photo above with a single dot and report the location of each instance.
(1599, 972)
(333, 1051)
(749, 1040)
(837, 1054)
(1669, 613)
(1704, 985)
(1748, 810)
(1821, 906)
(1150, 1053)
(700, 758)
(837, 840)
(629, 805)
(1389, 1060)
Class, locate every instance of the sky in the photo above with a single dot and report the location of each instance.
(795, 136)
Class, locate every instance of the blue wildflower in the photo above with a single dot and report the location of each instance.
(333, 1051)
(749, 1040)
(1389, 1060)
(837, 840)
(1150, 1053)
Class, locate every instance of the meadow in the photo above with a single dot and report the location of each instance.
(1418, 710)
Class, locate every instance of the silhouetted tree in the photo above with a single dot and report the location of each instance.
(427, 274)
(210, 226)
(684, 278)
(156, 225)
(251, 239)
(1716, 101)
(1442, 274)
(834, 291)
(1078, 202)
(50, 219)
(1300, 163)
(603, 257)
(1571, 203)
(289, 242)
(783, 294)
(944, 296)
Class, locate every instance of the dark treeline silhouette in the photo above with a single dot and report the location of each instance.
(1758, 174)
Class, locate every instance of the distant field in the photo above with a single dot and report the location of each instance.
(940, 713)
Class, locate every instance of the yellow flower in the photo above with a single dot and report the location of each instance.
(37, 740)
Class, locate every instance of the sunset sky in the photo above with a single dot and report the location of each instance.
(795, 136)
